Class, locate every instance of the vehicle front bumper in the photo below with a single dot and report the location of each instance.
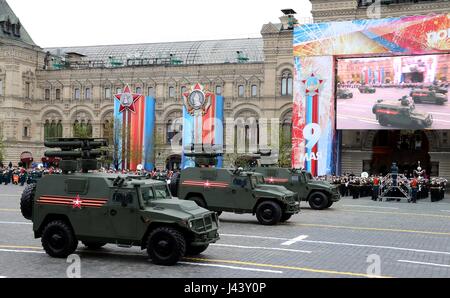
(293, 207)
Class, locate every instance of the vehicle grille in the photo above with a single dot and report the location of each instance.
(206, 223)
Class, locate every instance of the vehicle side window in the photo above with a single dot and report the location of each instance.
(240, 182)
(295, 179)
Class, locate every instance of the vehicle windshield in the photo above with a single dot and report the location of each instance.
(256, 180)
(309, 176)
(159, 192)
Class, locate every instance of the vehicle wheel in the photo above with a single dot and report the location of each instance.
(58, 239)
(26, 201)
(330, 203)
(318, 201)
(285, 217)
(268, 213)
(94, 245)
(166, 246)
(195, 250)
(382, 120)
(199, 201)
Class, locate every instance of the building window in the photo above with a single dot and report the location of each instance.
(286, 84)
(87, 93)
(241, 91)
(151, 92)
(171, 92)
(108, 93)
(138, 90)
(47, 94)
(254, 90)
(27, 90)
(173, 127)
(77, 94)
(1, 88)
(58, 94)
(25, 131)
(219, 90)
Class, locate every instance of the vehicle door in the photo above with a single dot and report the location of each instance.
(242, 193)
(302, 186)
(123, 213)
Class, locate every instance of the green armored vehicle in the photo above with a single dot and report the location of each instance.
(344, 93)
(427, 96)
(367, 89)
(319, 194)
(97, 209)
(402, 115)
(239, 192)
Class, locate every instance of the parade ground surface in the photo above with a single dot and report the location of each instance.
(356, 112)
(409, 240)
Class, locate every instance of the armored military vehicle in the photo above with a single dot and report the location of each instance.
(344, 93)
(427, 96)
(402, 115)
(235, 191)
(436, 88)
(319, 194)
(97, 209)
(367, 89)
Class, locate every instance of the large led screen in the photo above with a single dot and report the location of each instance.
(401, 92)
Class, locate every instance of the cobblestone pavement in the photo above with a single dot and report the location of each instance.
(348, 240)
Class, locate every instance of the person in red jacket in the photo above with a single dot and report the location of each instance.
(414, 187)
(375, 188)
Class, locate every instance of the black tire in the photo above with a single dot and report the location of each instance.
(285, 217)
(318, 201)
(166, 246)
(195, 250)
(199, 201)
(382, 120)
(94, 245)
(330, 203)
(268, 213)
(58, 239)
(27, 200)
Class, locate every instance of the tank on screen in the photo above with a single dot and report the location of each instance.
(98, 208)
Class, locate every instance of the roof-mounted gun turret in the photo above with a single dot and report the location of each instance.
(77, 153)
(264, 158)
(204, 155)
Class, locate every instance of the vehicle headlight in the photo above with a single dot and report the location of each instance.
(191, 224)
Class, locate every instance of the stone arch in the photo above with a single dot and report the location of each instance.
(173, 124)
(105, 114)
(81, 109)
(286, 66)
(238, 110)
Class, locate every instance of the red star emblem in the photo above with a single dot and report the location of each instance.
(207, 184)
(271, 180)
(77, 202)
(127, 100)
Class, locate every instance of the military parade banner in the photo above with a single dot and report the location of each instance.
(134, 123)
(316, 49)
(202, 121)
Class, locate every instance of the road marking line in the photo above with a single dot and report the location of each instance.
(231, 267)
(282, 267)
(20, 247)
(262, 248)
(377, 207)
(295, 240)
(14, 223)
(10, 210)
(423, 263)
(378, 246)
(255, 237)
(375, 229)
(445, 210)
(22, 251)
(13, 196)
(399, 213)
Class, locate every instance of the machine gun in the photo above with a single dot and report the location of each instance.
(77, 153)
(204, 155)
(264, 159)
